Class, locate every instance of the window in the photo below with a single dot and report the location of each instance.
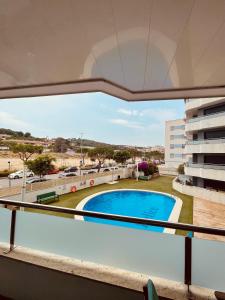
(177, 127)
(177, 136)
(178, 155)
(177, 146)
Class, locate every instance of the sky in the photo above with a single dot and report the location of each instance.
(98, 116)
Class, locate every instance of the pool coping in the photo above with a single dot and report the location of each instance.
(174, 215)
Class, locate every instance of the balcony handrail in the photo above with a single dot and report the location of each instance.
(204, 117)
(206, 141)
(206, 166)
(143, 221)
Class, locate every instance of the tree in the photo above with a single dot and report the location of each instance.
(25, 151)
(101, 154)
(121, 156)
(27, 135)
(134, 153)
(147, 168)
(180, 169)
(41, 165)
(61, 145)
(155, 155)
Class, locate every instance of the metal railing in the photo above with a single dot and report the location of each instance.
(205, 117)
(206, 141)
(206, 166)
(181, 226)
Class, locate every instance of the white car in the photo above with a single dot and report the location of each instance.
(69, 174)
(19, 174)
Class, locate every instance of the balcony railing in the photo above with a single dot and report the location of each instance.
(206, 166)
(206, 141)
(188, 259)
(205, 117)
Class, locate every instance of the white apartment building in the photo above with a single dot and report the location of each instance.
(175, 140)
(205, 130)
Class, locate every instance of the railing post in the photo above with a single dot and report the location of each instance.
(188, 260)
(12, 229)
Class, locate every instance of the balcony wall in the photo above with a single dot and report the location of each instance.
(202, 102)
(210, 195)
(205, 122)
(214, 172)
(205, 146)
(144, 252)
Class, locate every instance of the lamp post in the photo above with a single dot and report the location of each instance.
(9, 167)
(137, 171)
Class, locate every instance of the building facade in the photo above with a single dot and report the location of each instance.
(205, 131)
(175, 140)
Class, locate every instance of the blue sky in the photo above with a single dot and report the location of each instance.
(99, 116)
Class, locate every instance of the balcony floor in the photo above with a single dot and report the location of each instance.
(207, 213)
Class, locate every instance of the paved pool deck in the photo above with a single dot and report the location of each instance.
(210, 214)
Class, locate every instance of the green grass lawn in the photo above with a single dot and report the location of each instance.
(161, 184)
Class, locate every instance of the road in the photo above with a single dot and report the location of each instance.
(4, 182)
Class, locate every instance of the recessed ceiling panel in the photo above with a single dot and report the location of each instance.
(132, 49)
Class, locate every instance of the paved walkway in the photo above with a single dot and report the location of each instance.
(207, 213)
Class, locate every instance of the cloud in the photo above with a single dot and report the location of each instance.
(160, 115)
(126, 123)
(8, 120)
(129, 112)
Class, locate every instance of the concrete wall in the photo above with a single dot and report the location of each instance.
(80, 184)
(44, 283)
(214, 196)
(207, 173)
(210, 147)
(207, 122)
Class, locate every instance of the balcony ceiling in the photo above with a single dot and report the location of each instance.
(133, 49)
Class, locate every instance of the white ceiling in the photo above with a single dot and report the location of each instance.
(133, 49)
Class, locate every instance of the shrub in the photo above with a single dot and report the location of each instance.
(180, 169)
(62, 168)
(147, 168)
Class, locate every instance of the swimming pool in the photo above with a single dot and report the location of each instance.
(134, 203)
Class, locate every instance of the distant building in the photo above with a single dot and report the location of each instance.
(4, 136)
(175, 140)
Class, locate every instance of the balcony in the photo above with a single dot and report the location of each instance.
(119, 255)
(195, 191)
(207, 171)
(191, 104)
(205, 146)
(205, 122)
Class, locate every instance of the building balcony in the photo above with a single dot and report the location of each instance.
(194, 104)
(199, 192)
(205, 146)
(207, 171)
(205, 122)
(94, 253)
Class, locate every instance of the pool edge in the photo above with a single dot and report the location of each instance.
(174, 215)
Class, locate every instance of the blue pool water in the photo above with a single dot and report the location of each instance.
(141, 204)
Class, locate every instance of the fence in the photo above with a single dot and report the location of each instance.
(59, 182)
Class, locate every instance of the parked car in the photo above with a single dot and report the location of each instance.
(90, 172)
(67, 174)
(106, 170)
(53, 171)
(36, 179)
(71, 170)
(19, 174)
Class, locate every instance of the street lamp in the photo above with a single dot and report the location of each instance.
(9, 167)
